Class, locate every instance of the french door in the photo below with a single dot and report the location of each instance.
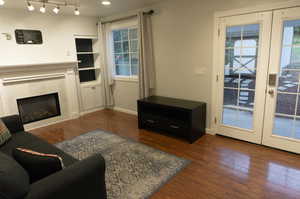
(259, 93)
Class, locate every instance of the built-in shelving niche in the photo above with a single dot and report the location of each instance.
(88, 58)
(89, 76)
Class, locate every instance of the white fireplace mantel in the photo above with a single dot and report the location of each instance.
(37, 66)
(29, 80)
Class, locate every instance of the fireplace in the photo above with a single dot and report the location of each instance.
(38, 108)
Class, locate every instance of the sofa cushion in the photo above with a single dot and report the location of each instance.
(14, 181)
(4, 133)
(29, 141)
(38, 165)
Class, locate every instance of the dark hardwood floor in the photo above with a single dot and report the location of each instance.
(221, 167)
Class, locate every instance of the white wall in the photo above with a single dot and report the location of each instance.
(126, 95)
(57, 30)
(183, 46)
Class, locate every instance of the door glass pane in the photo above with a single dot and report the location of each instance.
(231, 78)
(288, 81)
(240, 75)
(287, 112)
(233, 35)
(238, 118)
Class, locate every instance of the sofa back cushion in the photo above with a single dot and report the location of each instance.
(14, 180)
(38, 165)
(4, 133)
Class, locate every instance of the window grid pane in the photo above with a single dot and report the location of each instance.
(126, 51)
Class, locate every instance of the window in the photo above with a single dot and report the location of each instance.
(126, 52)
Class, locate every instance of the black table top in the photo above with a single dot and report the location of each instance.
(186, 104)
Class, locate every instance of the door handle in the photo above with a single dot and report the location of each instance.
(271, 92)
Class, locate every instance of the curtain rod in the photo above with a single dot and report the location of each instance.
(150, 12)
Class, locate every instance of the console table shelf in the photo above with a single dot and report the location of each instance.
(179, 117)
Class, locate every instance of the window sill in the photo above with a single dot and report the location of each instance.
(126, 79)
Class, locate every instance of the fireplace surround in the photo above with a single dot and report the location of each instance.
(36, 108)
(31, 80)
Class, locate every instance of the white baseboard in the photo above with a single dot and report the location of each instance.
(125, 110)
(210, 131)
(29, 127)
(90, 111)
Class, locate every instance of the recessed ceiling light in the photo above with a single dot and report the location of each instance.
(106, 3)
(2, 2)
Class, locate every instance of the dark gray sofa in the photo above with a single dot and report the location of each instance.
(80, 179)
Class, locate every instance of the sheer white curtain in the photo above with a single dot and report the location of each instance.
(146, 69)
(107, 68)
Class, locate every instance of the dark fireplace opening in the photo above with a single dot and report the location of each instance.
(38, 108)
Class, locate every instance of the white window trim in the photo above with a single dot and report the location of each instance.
(124, 24)
(126, 78)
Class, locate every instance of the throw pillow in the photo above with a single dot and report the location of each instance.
(14, 180)
(4, 133)
(38, 165)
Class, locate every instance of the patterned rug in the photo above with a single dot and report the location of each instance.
(133, 170)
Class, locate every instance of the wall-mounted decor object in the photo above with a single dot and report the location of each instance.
(28, 36)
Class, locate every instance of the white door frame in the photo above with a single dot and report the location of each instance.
(215, 71)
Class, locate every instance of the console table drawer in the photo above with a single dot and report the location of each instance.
(178, 129)
(151, 121)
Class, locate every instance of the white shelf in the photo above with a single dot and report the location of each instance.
(93, 37)
(86, 53)
(88, 68)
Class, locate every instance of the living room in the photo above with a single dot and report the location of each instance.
(149, 99)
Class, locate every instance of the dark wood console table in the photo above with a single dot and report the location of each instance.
(178, 117)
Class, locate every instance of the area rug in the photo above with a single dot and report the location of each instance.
(133, 170)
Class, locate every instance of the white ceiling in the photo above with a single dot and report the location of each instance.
(91, 7)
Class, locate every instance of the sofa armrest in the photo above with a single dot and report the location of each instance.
(84, 179)
(13, 123)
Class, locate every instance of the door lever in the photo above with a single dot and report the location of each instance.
(271, 92)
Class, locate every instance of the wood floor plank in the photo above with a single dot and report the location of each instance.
(221, 167)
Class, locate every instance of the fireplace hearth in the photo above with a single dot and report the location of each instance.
(38, 108)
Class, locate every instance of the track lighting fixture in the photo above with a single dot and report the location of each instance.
(106, 3)
(30, 6)
(56, 10)
(56, 5)
(2, 2)
(43, 8)
(76, 11)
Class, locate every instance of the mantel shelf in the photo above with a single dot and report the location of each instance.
(37, 66)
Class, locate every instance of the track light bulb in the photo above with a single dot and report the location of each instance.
(56, 10)
(30, 7)
(43, 9)
(76, 11)
(106, 3)
(2, 2)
